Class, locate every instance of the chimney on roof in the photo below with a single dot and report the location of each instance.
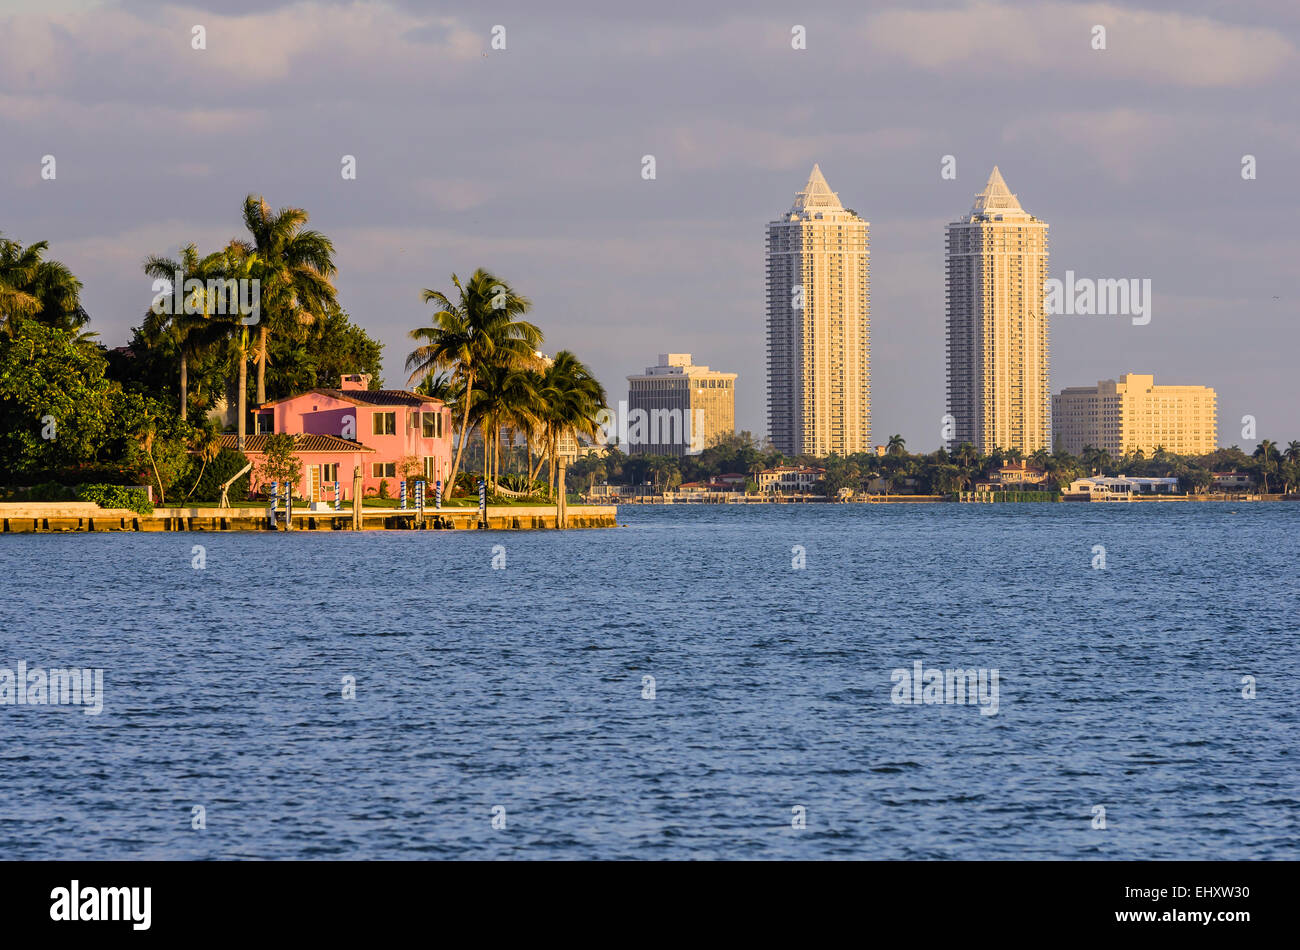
(355, 381)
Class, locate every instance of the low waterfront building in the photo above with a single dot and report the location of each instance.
(1122, 485)
(791, 479)
(1016, 474)
(391, 427)
(1232, 481)
(325, 459)
(1134, 414)
(685, 406)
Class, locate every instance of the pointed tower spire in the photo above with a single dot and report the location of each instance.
(996, 196)
(817, 195)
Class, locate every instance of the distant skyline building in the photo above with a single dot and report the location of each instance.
(997, 325)
(818, 326)
(685, 406)
(1134, 413)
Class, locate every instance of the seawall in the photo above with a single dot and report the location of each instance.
(41, 517)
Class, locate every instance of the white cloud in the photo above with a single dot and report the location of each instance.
(1157, 46)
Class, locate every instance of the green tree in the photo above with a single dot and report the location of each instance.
(54, 401)
(279, 461)
(296, 273)
(570, 399)
(194, 330)
(1266, 460)
(479, 329)
(40, 290)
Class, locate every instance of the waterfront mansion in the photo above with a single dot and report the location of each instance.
(381, 431)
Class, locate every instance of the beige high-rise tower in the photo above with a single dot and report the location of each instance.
(818, 326)
(998, 359)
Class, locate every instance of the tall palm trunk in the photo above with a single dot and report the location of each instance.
(197, 480)
(261, 364)
(242, 396)
(464, 435)
(185, 386)
(562, 516)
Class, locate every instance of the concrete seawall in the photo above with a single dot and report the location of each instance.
(43, 517)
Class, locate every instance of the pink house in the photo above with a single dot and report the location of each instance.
(338, 429)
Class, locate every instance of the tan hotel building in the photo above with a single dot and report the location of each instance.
(996, 266)
(703, 396)
(818, 326)
(1134, 413)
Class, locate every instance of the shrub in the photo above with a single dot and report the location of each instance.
(117, 496)
(215, 474)
(383, 488)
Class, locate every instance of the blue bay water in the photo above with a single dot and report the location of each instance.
(522, 688)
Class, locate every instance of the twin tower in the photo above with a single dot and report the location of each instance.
(819, 326)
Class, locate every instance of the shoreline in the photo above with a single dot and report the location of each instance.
(60, 517)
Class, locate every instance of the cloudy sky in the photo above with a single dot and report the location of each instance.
(527, 161)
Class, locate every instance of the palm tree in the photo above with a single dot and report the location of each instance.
(571, 397)
(506, 396)
(1266, 452)
(897, 445)
(192, 331)
(238, 263)
(145, 436)
(296, 272)
(32, 287)
(480, 329)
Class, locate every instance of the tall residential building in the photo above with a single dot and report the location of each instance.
(998, 390)
(684, 405)
(818, 326)
(1135, 413)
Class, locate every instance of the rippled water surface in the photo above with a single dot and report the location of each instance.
(522, 687)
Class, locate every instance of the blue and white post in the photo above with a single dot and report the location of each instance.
(403, 494)
(275, 503)
(482, 503)
(338, 497)
(437, 495)
(288, 506)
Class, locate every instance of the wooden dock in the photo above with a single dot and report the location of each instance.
(49, 517)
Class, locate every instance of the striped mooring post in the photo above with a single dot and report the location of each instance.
(275, 503)
(338, 497)
(437, 495)
(482, 503)
(403, 494)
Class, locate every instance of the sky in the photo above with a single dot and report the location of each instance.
(527, 161)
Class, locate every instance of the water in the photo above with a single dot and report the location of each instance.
(522, 688)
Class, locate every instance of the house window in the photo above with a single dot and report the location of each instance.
(329, 472)
(383, 469)
(265, 423)
(432, 425)
(383, 423)
(430, 468)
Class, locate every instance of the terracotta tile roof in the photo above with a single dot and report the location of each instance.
(364, 397)
(301, 443)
